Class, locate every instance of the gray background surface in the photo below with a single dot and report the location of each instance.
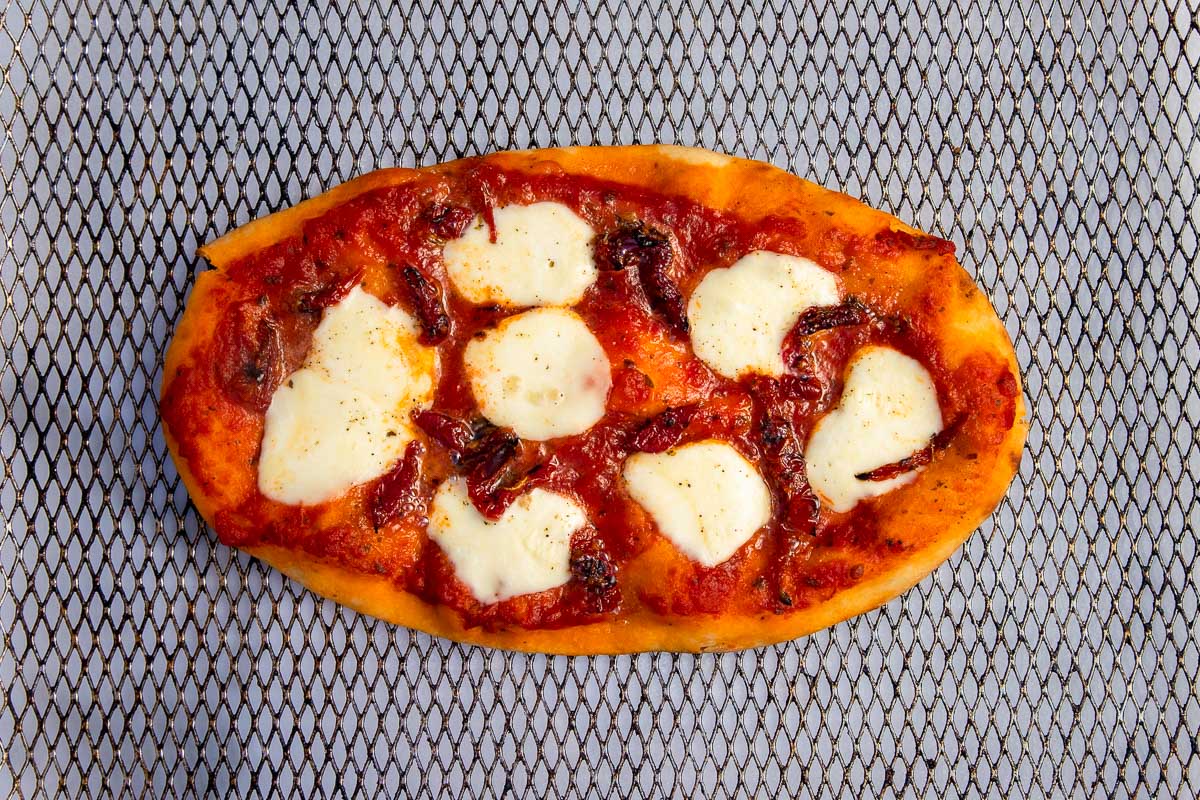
(1054, 655)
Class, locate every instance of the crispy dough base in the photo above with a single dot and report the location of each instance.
(753, 190)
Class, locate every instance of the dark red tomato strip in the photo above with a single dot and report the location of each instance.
(427, 304)
(398, 492)
(940, 441)
(822, 318)
(493, 496)
(665, 430)
(894, 241)
(779, 403)
(451, 433)
(332, 294)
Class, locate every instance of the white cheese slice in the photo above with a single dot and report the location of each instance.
(343, 417)
(741, 314)
(527, 550)
(541, 373)
(542, 256)
(889, 410)
(705, 497)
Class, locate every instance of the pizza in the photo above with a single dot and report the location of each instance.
(593, 400)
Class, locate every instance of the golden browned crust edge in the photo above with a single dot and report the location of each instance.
(752, 189)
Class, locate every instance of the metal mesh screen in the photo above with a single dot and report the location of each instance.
(1054, 655)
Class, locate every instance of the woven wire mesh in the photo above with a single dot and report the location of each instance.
(1054, 655)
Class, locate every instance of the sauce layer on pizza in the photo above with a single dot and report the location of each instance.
(593, 400)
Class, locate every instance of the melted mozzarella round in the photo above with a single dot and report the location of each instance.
(705, 497)
(343, 417)
(740, 315)
(889, 410)
(527, 550)
(542, 256)
(541, 373)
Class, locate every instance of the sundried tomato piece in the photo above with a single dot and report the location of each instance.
(939, 442)
(398, 492)
(446, 221)
(450, 432)
(317, 300)
(426, 299)
(250, 363)
(892, 242)
(665, 430)
(646, 250)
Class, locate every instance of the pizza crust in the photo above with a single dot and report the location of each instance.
(969, 490)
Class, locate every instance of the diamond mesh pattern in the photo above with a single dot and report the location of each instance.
(1054, 655)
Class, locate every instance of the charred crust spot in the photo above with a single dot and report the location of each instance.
(596, 573)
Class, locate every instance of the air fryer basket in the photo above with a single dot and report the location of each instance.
(1054, 655)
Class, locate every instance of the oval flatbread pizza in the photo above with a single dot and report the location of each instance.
(593, 400)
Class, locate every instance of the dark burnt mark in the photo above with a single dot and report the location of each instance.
(892, 242)
(939, 442)
(427, 303)
(773, 432)
(595, 572)
(398, 492)
(253, 372)
(647, 252)
(665, 430)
